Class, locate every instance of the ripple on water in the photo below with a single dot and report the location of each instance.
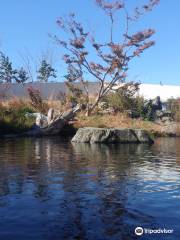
(52, 189)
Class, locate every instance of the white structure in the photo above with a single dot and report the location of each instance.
(150, 91)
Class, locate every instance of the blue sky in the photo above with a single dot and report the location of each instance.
(25, 25)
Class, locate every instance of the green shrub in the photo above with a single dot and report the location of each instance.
(126, 98)
(13, 119)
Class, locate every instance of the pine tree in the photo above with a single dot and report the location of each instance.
(7, 73)
(45, 72)
(22, 76)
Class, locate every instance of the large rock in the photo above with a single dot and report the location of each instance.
(113, 135)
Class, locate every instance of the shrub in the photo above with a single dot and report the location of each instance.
(75, 95)
(126, 98)
(174, 106)
(12, 116)
(37, 101)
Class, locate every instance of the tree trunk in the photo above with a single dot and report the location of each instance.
(55, 127)
(91, 108)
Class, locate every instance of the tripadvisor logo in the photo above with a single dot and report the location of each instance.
(139, 231)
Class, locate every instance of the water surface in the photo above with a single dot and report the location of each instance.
(51, 189)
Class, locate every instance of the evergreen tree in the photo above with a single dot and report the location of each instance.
(45, 72)
(22, 76)
(7, 73)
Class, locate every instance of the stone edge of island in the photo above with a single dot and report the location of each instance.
(112, 135)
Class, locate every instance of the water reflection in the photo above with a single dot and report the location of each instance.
(52, 189)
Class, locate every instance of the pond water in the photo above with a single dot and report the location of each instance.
(53, 189)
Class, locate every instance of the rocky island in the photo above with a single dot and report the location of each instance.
(113, 135)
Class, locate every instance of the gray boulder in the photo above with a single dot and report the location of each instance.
(113, 135)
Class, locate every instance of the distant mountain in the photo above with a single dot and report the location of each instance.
(54, 90)
(48, 90)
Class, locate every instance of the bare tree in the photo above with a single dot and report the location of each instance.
(113, 56)
(29, 64)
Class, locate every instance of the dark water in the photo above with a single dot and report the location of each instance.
(52, 189)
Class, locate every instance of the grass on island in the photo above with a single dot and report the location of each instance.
(12, 114)
(13, 119)
(119, 120)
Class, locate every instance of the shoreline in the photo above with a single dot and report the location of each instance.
(70, 131)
